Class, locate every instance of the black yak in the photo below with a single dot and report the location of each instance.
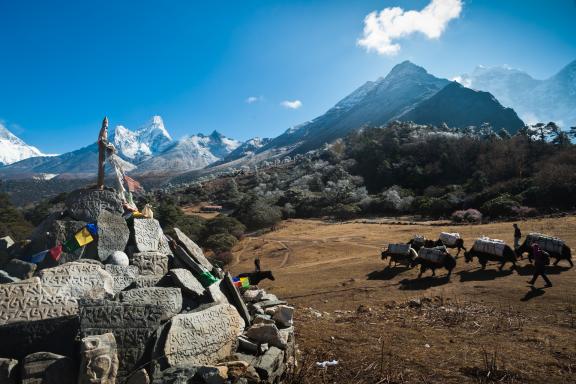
(399, 258)
(418, 242)
(256, 277)
(501, 254)
(556, 248)
(451, 240)
(433, 258)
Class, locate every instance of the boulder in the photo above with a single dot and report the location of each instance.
(270, 366)
(54, 230)
(8, 372)
(283, 316)
(187, 282)
(266, 333)
(28, 301)
(79, 280)
(192, 248)
(20, 269)
(87, 204)
(203, 338)
(168, 299)
(118, 258)
(99, 360)
(123, 276)
(48, 368)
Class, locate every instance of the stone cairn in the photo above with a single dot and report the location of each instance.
(131, 307)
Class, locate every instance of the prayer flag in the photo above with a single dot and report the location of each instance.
(56, 252)
(245, 282)
(70, 245)
(39, 257)
(83, 237)
(92, 228)
(133, 185)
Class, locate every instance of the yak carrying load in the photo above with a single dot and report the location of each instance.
(547, 243)
(489, 246)
(449, 239)
(435, 255)
(399, 249)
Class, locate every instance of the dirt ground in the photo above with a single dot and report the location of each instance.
(383, 325)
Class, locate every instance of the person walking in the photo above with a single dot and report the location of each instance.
(541, 259)
(517, 236)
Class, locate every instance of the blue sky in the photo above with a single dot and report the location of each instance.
(64, 65)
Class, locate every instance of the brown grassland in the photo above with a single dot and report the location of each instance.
(383, 325)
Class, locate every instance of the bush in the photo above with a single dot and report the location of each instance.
(523, 211)
(343, 211)
(222, 259)
(432, 205)
(221, 242)
(225, 224)
(257, 214)
(468, 216)
(501, 206)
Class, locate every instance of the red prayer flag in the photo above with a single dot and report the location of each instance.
(56, 252)
(133, 185)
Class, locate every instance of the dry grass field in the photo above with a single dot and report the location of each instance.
(383, 325)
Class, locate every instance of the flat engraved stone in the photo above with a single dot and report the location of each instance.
(123, 276)
(169, 299)
(151, 263)
(80, 280)
(28, 301)
(147, 235)
(192, 248)
(203, 338)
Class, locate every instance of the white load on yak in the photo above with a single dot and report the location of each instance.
(435, 255)
(449, 239)
(547, 243)
(489, 246)
(399, 249)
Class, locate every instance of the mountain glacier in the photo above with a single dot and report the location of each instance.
(13, 149)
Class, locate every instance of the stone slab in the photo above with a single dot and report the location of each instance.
(87, 204)
(169, 299)
(187, 282)
(132, 326)
(52, 231)
(192, 248)
(80, 280)
(56, 335)
(235, 298)
(28, 301)
(113, 234)
(147, 235)
(48, 368)
(203, 338)
(151, 263)
(147, 281)
(123, 276)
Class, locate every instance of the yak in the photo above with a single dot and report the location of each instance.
(399, 259)
(508, 255)
(565, 254)
(459, 244)
(256, 277)
(448, 262)
(416, 245)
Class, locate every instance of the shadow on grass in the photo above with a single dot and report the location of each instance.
(532, 293)
(423, 283)
(483, 274)
(387, 273)
(528, 270)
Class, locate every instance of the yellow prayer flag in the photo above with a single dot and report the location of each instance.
(84, 237)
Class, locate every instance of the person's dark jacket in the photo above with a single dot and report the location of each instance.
(540, 257)
(517, 233)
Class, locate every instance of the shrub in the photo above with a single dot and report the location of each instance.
(468, 215)
(221, 242)
(257, 214)
(225, 224)
(222, 259)
(501, 206)
(523, 211)
(343, 211)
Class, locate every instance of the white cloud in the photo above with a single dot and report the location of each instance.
(253, 99)
(382, 29)
(465, 81)
(291, 104)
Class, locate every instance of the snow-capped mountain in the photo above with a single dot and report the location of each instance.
(247, 148)
(553, 99)
(13, 149)
(149, 149)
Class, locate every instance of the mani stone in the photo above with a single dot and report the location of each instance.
(87, 204)
(151, 263)
(131, 324)
(52, 231)
(194, 250)
(203, 338)
(8, 371)
(48, 368)
(147, 281)
(231, 292)
(20, 269)
(147, 235)
(187, 282)
(113, 235)
(57, 335)
(99, 360)
(168, 299)
(79, 280)
(123, 276)
(28, 301)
